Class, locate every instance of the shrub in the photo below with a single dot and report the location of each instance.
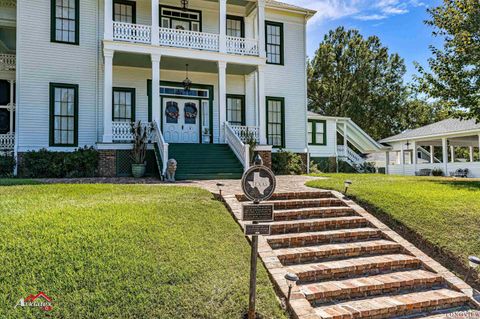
(437, 172)
(287, 163)
(314, 169)
(7, 165)
(367, 167)
(83, 162)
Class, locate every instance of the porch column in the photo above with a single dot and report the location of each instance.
(387, 161)
(262, 109)
(156, 88)
(452, 154)
(107, 97)
(445, 155)
(155, 23)
(222, 24)
(108, 20)
(222, 97)
(479, 147)
(432, 155)
(11, 105)
(261, 28)
(471, 154)
(414, 156)
(345, 138)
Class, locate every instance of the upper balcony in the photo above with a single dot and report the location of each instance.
(233, 28)
(7, 62)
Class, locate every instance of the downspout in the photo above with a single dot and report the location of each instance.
(306, 92)
(97, 75)
(336, 146)
(17, 90)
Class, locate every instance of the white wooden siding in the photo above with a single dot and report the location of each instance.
(328, 150)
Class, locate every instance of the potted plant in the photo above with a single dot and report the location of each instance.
(206, 135)
(141, 135)
(251, 141)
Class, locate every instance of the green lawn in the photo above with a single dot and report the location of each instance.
(445, 212)
(124, 251)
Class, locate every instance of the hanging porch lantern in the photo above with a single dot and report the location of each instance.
(187, 83)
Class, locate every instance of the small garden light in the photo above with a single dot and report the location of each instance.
(347, 184)
(291, 281)
(474, 263)
(219, 186)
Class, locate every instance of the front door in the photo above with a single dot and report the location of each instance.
(181, 121)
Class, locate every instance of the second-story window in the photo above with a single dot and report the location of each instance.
(235, 26)
(65, 21)
(124, 11)
(274, 42)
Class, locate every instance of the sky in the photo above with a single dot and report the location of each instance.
(398, 23)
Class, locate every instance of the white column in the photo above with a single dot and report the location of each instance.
(11, 105)
(387, 161)
(432, 155)
(156, 88)
(452, 154)
(345, 138)
(445, 155)
(471, 153)
(479, 147)
(222, 97)
(402, 156)
(155, 22)
(108, 20)
(261, 27)
(222, 24)
(107, 96)
(414, 156)
(262, 109)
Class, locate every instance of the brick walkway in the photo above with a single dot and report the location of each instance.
(350, 264)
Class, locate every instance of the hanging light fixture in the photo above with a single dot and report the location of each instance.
(187, 83)
(184, 4)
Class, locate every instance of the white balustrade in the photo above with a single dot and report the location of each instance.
(7, 62)
(239, 148)
(8, 3)
(350, 155)
(131, 32)
(242, 46)
(7, 142)
(189, 39)
(162, 145)
(246, 132)
(122, 131)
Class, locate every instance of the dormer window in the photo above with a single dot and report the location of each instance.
(176, 18)
(124, 11)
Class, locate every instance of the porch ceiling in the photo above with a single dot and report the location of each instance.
(178, 64)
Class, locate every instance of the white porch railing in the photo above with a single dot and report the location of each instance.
(7, 142)
(350, 155)
(162, 145)
(122, 131)
(189, 39)
(131, 32)
(241, 150)
(246, 132)
(7, 62)
(242, 46)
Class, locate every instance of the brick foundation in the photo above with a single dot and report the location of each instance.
(266, 157)
(107, 163)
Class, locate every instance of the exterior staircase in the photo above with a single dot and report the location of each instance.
(205, 161)
(348, 267)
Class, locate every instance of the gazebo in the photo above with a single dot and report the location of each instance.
(449, 145)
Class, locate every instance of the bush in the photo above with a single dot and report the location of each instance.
(314, 168)
(367, 168)
(7, 165)
(287, 163)
(437, 172)
(83, 162)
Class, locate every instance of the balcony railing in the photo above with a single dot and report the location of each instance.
(7, 62)
(7, 142)
(138, 33)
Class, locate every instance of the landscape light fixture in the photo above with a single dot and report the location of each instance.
(187, 83)
(347, 184)
(291, 281)
(474, 263)
(219, 186)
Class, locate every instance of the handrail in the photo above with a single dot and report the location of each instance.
(242, 46)
(349, 154)
(132, 32)
(189, 39)
(241, 150)
(162, 145)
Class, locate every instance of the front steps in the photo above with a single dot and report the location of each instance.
(349, 268)
(205, 161)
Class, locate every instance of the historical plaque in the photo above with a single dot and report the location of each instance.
(257, 229)
(258, 183)
(257, 212)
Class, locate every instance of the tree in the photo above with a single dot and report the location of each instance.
(454, 79)
(356, 77)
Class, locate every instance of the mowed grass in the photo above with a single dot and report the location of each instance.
(124, 251)
(445, 212)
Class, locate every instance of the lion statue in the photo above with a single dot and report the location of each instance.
(171, 169)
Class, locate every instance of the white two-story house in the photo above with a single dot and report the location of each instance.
(77, 73)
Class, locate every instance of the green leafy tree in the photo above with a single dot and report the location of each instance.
(357, 77)
(454, 75)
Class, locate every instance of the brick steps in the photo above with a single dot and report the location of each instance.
(289, 256)
(392, 306)
(323, 237)
(353, 267)
(318, 224)
(316, 212)
(331, 291)
(297, 195)
(306, 203)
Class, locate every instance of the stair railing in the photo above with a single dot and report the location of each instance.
(162, 145)
(240, 149)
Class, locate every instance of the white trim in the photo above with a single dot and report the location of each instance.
(428, 137)
(107, 96)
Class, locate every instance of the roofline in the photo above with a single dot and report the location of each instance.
(387, 140)
(307, 12)
(330, 117)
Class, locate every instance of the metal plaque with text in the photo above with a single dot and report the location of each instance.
(257, 229)
(257, 212)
